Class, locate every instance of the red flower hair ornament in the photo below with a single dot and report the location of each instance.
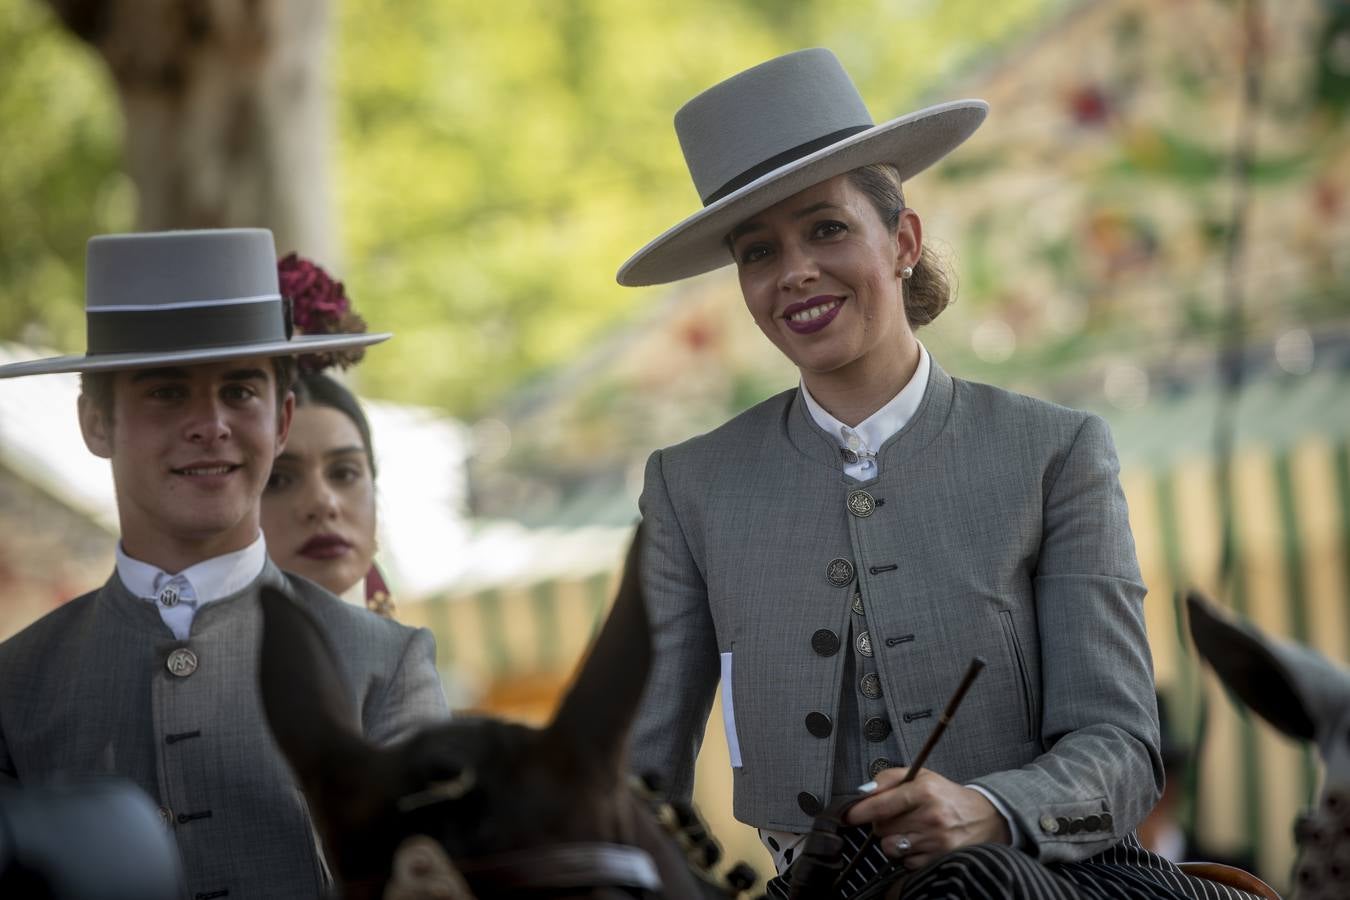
(318, 305)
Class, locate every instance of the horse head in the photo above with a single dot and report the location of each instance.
(510, 808)
(1307, 697)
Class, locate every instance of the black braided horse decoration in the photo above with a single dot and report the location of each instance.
(1307, 697)
(478, 808)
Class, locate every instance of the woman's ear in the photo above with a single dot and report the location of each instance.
(95, 427)
(908, 240)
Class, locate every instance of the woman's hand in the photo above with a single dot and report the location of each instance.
(930, 816)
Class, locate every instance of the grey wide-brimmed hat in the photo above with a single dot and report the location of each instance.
(763, 135)
(184, 297)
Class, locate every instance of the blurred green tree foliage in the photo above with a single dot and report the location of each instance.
(60, 181)
(496, 162)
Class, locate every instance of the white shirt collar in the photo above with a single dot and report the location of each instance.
(879, 427)
(210, 579)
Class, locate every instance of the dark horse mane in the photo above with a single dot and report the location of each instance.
(489, 808)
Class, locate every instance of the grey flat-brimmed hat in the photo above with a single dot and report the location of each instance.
(184, 297)
(763, 135)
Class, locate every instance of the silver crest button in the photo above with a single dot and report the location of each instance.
(857, 602)
(839, 572)
(870, 686)
(181, 662)
(861, 504)
(865, 644)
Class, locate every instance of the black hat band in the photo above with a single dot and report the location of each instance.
(185, 328)
(778, 160)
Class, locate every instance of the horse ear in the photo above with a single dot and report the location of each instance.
(311, 716)
(1250, 666)
(597, 713)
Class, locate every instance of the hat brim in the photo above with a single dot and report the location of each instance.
(911, 143)
(111, 362)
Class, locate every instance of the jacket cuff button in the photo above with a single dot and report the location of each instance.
(1049, 825)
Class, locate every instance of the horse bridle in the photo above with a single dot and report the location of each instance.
(563, 867)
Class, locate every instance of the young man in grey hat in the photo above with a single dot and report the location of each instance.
(153, 677)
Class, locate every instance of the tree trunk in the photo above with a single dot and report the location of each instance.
(227, 111)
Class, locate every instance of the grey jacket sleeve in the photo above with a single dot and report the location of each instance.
(412, 696)
(685, 667)
(1099, 719)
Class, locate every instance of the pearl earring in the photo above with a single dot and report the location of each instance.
(906, 271)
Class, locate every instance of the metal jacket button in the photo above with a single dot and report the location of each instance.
(808, 803)
(819, 724)
(879, 765)
(865, 644)
(857, 602)
(870, 685)
(876, 729)
(860, 503)
(181, 662)
(1049, 825)
(839, 572)
(825, 642)
(1093, 823)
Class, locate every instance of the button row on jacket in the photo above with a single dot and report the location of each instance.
(1077, 825)
(181, 662)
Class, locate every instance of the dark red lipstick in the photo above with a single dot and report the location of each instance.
(827, 303)
(325, 546)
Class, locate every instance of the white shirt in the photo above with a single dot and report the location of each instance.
(864, 441)
(179, 595)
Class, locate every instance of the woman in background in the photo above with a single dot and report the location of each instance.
(318, 511)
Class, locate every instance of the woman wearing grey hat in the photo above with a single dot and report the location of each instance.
(837, 554)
